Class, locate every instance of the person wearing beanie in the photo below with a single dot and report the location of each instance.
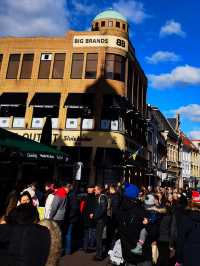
(131, 191)
(130, 223)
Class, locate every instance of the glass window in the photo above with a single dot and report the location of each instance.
(118, 24)
(27, 65)
(115, 67)
(91, 66)
(77, 66)
(45, 65)
(123, 26)
(103, 23)
(1, 59)
(58, 66)
(110, 23)
(13, 66)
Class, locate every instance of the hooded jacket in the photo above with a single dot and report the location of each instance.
(58, 205)
(24, 245)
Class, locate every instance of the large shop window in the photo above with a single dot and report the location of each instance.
(58, 66)
(91, 66)
(13, 66)
(27, 65)
(115, 67)
(1, 59)
(45, 66)
(12, 104)
(77, 66)
(45, 104)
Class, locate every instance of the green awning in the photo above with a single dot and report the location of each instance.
(29, 148)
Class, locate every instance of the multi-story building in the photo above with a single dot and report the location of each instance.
(157, 148)
(170, 152)
(91, 85)
(195, 163)
(186, 162)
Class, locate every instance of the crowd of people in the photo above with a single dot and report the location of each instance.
(136, 227)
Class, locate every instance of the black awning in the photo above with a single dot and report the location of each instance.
(13, 99)
(46, 100)
(114, 101)
(79, 100)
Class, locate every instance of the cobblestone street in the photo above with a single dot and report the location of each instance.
(79, 258)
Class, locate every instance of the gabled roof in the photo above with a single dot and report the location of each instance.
(172, 122)
(186, 141)
(163, 124)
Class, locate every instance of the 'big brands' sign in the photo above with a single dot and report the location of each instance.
(100, 41)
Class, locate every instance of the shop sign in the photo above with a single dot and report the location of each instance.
(74, 138)
(100, 41)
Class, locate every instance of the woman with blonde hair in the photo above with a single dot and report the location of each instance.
(56, 242)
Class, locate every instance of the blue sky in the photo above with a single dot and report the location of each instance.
(165, 33)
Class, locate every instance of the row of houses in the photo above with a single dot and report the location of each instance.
(173, 158)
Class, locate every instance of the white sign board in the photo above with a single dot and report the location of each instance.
(78, 170)
(100, 41)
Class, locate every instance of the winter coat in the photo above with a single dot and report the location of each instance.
(100, 212)
(24, 245)
(72, 214)
(58, 206)
(130, 219)
(90, 202)
(188, 244)
(115, 201)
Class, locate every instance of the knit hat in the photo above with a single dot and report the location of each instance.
(149, 200)
(131, 191)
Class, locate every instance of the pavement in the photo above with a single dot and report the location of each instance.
(80, 258)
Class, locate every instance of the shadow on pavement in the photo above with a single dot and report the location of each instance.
(79, 258)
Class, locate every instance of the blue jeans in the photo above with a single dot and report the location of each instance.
(89, 240)
(68, 239)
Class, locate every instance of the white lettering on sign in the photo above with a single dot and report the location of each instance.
(100, 41)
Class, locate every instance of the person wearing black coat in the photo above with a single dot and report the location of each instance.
(188, 243)
(114, 201)
(89, 239)
(22, 241)
(100, 218)
(130, 222)
(167, 235)
(72, 218)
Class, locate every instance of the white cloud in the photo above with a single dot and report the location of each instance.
(195, 134)
(182, 75)
(84, 8)
(191, 112)
(133, 10)
(33, 17)
(162, 56)
(172, 27)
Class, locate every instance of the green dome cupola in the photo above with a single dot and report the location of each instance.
(110, 14)
(111, 20)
